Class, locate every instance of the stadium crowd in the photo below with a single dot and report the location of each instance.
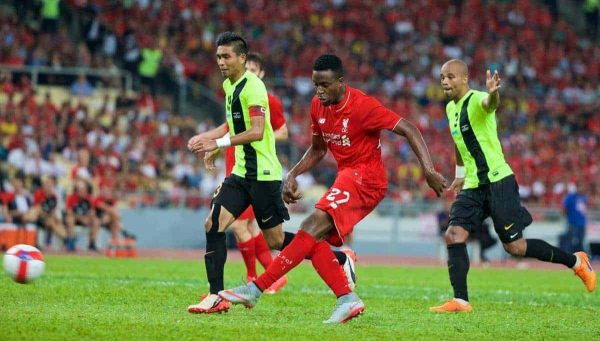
(550, 117)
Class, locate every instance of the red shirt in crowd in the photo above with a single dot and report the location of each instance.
(79, 204)
(47, 201)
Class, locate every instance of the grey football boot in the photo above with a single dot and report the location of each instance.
(347, 307)
(247, 295)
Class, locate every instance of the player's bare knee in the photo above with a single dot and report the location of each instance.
(516, 248)
(456, 235)
(240, 231)
(274, 237)
(274, 242)
(207, 223)
(318, 224)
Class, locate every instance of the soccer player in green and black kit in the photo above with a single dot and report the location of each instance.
(485, 186)
(256, 176)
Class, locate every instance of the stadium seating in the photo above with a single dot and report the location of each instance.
(548, 119)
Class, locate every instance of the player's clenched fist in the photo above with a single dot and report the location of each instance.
(436, 181)
(290, 191)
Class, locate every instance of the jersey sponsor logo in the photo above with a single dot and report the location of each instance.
(345, 125)
(321, 121)
(336, 139)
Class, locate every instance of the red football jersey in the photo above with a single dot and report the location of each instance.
(98, 200)
(47, 202)
(351, 130)
(277, 120)
(80, 205)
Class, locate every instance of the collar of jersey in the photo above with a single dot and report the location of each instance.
(462, 99)
(343, 102)
(241, 78)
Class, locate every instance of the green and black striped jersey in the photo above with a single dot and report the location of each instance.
(256, 160)
(476, 136)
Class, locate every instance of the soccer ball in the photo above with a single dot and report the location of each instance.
(24, 263)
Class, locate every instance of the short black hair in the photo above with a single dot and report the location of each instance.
(256, 58)
(329, 62)
(240, 46)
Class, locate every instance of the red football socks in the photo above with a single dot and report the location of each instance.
(247, 250)
(262, 251)
(305, 246)
(328, 267)
(292, 255)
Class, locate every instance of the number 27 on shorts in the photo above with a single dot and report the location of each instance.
(337, 197)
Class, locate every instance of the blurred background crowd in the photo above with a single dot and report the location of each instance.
(128, 82)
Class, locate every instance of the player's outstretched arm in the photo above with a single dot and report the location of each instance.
(491, 102)
(434, 179)
(315, 153)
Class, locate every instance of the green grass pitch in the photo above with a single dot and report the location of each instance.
(140, 299)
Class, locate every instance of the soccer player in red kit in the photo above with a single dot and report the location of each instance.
(80, 210)
(45, 202)
(250, 240)
(348, 123)
(107, 212)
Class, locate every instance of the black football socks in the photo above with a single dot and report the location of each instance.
(458, 267)
(214, 260)
(545, 252)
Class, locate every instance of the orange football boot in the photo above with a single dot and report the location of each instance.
(209, 304)
(585, 271)
(275, 287)
(452, 306)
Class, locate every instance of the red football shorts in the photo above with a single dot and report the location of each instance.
(348, 201)
(247, 214)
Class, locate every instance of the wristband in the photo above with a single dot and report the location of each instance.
(461, 172)
(224, 141)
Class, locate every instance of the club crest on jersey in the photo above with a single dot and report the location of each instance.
(345, 125)
(345, 141)
(321, 121)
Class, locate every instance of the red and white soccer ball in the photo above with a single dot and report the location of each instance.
(24, 263)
